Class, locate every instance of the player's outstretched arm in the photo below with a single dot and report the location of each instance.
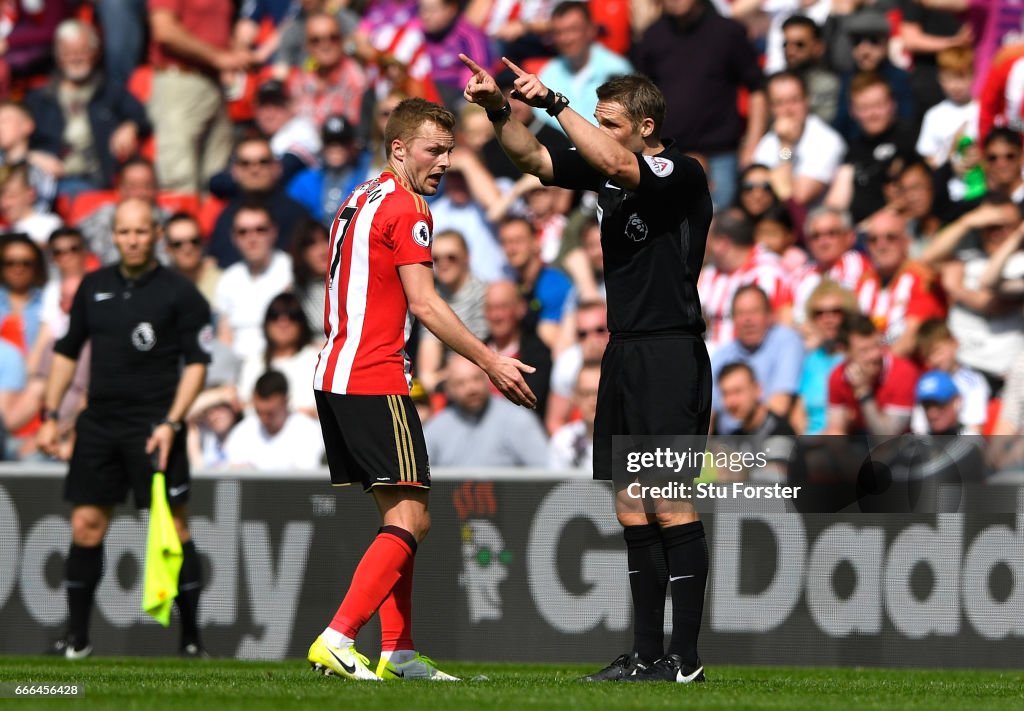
(522, 147)
(426, 305)
(598, 148)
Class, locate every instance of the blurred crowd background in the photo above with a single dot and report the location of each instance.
(864, 272)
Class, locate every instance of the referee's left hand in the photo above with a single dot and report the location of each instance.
(160, 442)
(507, 376)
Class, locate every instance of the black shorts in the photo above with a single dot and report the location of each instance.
(109, 459)
(654, 386)
(373, 439)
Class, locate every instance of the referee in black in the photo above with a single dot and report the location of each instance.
(655, 210)
(150, 333)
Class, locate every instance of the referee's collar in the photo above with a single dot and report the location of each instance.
(144, 279)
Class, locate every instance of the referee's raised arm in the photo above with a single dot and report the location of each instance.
(526, 152)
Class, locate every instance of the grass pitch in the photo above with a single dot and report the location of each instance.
(152, 683)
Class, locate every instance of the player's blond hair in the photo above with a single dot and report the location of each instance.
(409, 115)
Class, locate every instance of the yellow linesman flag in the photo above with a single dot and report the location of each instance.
(163, 557)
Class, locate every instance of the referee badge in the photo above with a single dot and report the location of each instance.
(662, 167)
(144, 337)
(421, 234)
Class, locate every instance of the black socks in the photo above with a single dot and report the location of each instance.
(648, 576)
(686, 551)
(189, 585)
(82, 572)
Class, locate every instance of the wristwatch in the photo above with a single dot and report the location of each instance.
(500, 115)
(175, 425)
(555, 103)
(48, 414)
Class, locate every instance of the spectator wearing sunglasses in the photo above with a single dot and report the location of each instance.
(907, 293)
(826, 307)
(754, 194)
(288, 350)
(334, 83)
(804, 50)
(257, 174)
(247, 287)
(866, 38)
(69, 260)
(590, 341)
(183, 240)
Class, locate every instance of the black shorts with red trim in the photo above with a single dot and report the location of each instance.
(375, 440)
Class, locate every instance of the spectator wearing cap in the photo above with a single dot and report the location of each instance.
(335, 83)
(294, 138)
(87, 121)
(16, 129)
(936, 394)
(322, 189)
(257, 174)
(937, 350)
(582, 63)
(189, 49)
(867, 50)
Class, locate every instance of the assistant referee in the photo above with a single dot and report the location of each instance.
(150, 333)
(655, 210)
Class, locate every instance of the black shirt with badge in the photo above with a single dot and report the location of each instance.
(874, 160)
(653, 239)
(141, 332)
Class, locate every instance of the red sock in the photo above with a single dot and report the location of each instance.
(375, 576)
(396, 613)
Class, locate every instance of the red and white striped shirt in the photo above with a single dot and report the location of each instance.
(911, 293)
(852, 271)
(382, 226)
(717, 288)
(503, 12)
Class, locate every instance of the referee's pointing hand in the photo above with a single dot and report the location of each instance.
(481, 88)
(507, 376)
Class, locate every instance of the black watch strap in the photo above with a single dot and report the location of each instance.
(556, 103)
(499, 115)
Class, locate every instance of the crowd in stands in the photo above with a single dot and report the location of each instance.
(864, 273)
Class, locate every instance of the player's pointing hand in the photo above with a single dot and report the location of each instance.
(481, 88)
(507, 376)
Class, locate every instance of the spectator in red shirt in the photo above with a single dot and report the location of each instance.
(907, 293)
(189, 51)
(872, 391)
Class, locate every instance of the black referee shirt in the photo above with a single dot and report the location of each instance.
(141, 330)
(653, 239)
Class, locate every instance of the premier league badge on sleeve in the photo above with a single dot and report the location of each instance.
(421, 234)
